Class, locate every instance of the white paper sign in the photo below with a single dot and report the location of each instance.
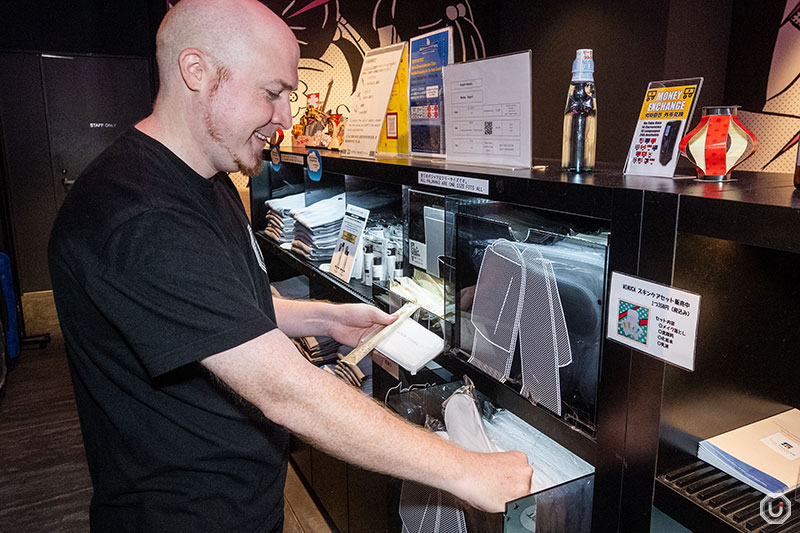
(417, 253)
(458, 183)
(370, 100)
(487, 112)
(344, 256)
(653, 318)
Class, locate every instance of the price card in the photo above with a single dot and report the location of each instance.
(653, 318)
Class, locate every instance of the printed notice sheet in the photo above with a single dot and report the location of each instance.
(428, 54)
(488, 111)
(666, 111)
(370, 100)
(394, 134)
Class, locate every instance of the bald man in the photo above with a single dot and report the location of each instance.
(186, 381)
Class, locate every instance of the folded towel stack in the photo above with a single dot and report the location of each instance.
(316, 228)
(280, 226)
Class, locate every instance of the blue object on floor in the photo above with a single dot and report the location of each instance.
(7, 286)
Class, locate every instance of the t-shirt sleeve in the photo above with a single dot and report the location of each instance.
(171, 287)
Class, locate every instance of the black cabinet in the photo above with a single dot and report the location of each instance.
(733, 243)
(738, 250)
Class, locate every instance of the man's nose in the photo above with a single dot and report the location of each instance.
(283, 114)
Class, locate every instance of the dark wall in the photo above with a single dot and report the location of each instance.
(110, 27)
(753, 31)
(114, 27)
(634, 43)
(697, 45)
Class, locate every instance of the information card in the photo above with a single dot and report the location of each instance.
(344, 256)
(666, 111)
(655, 319)
(488, 106)
(428, 54)
(370, 100)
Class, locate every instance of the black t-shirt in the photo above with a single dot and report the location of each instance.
(155, 268)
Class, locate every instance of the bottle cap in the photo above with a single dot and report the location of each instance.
(377, 260)
(368, 249)
(583, 66)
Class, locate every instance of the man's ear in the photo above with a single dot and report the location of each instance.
(195, 68)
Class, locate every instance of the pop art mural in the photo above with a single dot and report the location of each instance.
(335, 35)
(777, 123)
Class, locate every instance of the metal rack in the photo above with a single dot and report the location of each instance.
(727, 499)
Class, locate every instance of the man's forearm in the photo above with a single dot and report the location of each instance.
(341, 420)
(301, 318)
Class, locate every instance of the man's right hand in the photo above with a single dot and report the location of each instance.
(492, 479)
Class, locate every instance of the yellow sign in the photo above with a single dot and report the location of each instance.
(349, 237)
(394, 133)
(668, 103)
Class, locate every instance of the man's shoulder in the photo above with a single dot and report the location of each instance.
(132, 159)
(135, 170)
(129, 178)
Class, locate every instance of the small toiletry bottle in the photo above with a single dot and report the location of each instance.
(377, 269)
(391, 257)
(368, 264)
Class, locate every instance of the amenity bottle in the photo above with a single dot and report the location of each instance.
(580, 116)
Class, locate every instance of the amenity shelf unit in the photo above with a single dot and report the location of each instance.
(736, 244)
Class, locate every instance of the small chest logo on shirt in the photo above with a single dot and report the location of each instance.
(256, 249)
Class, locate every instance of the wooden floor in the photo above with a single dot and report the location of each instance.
(44, 480)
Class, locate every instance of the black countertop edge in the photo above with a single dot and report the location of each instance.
(763, 188)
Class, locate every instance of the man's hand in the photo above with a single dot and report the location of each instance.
(352, 322)
(492, 479)
(269, 372)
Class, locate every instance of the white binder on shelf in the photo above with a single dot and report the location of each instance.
(764, 454)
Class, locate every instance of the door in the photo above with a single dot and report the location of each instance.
(89, 101)
(57, 114)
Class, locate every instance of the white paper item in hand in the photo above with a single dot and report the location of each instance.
(411, 346)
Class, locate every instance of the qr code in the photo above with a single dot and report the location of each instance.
(487, 128)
